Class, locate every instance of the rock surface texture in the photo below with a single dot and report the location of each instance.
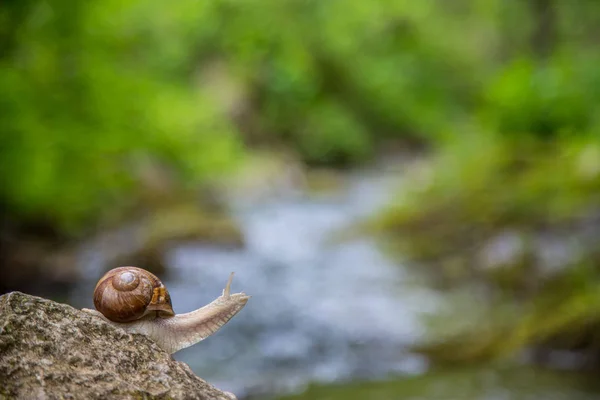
(53, 351)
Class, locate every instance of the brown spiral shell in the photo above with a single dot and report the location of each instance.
(126, 294)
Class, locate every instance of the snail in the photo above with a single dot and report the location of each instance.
(136, 300)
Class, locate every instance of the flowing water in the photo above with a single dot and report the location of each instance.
(322, 310)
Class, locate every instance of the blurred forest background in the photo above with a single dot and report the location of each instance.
(116, 109)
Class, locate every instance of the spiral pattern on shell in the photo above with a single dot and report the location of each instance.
(126, 294)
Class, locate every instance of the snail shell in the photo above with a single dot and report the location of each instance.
(126, 294)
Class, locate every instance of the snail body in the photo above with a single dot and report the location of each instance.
(137, 301)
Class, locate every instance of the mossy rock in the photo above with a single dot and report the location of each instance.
(557, 318)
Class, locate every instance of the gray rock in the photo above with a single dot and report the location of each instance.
(53, 351)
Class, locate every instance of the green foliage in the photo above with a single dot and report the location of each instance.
(331, 135)
(82, 113)
(544, 100)
(406, 70)
(375, 68)
(94, 92)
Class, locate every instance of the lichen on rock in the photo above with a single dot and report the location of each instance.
(50, 350)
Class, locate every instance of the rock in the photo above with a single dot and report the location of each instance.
(53, 351)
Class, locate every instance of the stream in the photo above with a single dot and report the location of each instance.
(323, 311)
